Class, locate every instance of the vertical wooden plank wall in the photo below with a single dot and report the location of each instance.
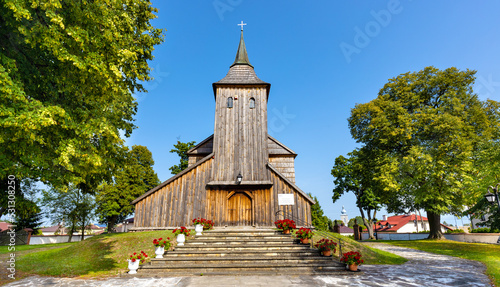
(177, 203)
(240, 134)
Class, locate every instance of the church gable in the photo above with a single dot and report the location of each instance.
(277, 148)
(202, 149)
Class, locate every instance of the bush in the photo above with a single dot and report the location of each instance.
(455, 231)
(484, 230)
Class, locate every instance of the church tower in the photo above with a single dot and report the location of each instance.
(343, 216)
(240, 132)
(240, 175)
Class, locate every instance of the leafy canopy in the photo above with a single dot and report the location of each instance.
(131, 181)
(429, 126)
(68, 71)
(181, 150)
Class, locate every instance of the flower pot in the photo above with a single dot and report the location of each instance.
(159, 251)
(181, 238)
(353, 267)
(133, 266)
(286, 231)
(327, 252)
(199, 229)
(304, 240)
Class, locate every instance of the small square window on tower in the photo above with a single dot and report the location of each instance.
(252, 103)
(230, 102)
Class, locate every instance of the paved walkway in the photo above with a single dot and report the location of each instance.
(423, 269)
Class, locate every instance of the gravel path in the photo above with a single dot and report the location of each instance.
(422, 269)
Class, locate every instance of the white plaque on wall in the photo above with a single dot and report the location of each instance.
(286, 199)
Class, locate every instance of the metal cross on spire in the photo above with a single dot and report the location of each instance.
(242, 24)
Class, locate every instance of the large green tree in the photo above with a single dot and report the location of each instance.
(319, 219)
(357, 174)
(131, 181)
(181, 150)
(68, 71)
(429, 126)
(71, 206)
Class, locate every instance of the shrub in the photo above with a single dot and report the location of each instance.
(484, 230)
(455, 231)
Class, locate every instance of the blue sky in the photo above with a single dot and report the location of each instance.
(320, 57)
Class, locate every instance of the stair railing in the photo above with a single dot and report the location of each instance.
(303, 223)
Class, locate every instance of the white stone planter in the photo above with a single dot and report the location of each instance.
(199, 229)
(159, 251)
(133, 266)
(181, 238)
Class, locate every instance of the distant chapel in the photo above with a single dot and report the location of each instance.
(236, 175)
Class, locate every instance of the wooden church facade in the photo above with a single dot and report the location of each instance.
(235, 175)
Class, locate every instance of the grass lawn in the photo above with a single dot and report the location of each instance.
(107, 254)
(5, 249)
(489, 254)
(370, 255)
(99, 256)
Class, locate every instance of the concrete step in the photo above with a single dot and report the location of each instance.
(241, 247)
(271, 272)
(243, 253)
(256, 241)
(241, 237)
(252, 266)
(232, 260)
(267, 232)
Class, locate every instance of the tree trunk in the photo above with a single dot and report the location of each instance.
(434, 225)
(111, 223)
(72, 229)
(83, 232)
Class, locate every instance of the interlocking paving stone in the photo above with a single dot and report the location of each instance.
(422, 269)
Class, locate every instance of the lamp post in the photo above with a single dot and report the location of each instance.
(492, 197)
(374, 228)
(125, 223)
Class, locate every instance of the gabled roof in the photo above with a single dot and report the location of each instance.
(398, 221)
(273, 169)
(276, 147)
(154, 189)
(4, 226)
(53, 228)
(345, 229)
(204, 147)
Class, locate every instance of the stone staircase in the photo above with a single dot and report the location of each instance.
(241, 252)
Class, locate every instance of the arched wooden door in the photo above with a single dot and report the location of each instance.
(239, 207)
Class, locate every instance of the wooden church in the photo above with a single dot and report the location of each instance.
(240, 175)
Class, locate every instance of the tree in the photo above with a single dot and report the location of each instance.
(68, 72)
(429, 125)
(358, 220)
(29, 219)
(319, 220)
(356, 174)
(71, 206)
(181, 150)
(134, 179)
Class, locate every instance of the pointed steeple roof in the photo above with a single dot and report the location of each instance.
(241, 55)
(241, 72)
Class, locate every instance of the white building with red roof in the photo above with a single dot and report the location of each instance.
(408, 223)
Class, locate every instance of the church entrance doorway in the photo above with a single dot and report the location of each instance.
(239, 207)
